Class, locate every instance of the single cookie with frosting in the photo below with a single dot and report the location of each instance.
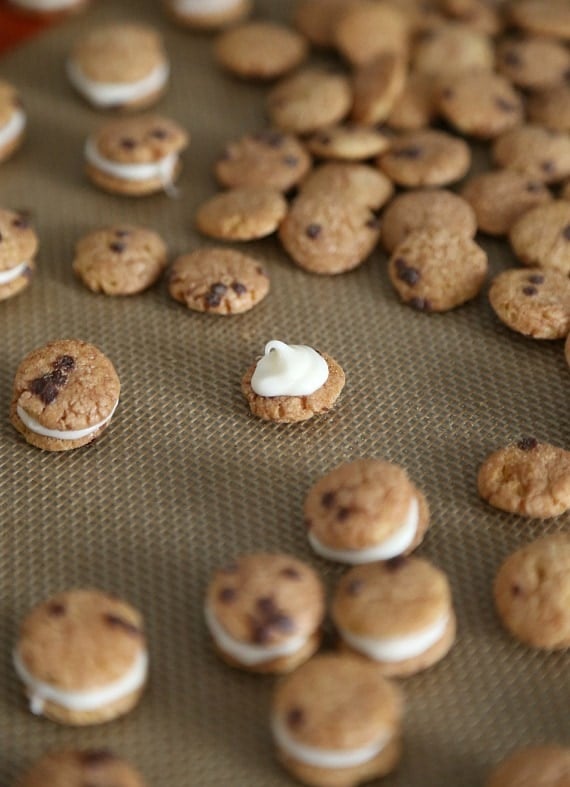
(292, 383)
(12, 120)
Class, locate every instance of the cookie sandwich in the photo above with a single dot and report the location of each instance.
(18, 248)
(12, 120)
(79, 767)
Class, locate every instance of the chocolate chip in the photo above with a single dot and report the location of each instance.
(516, 590)
(290, 161)
(159, 133)
(566, 232)
(295, 717)
(266, 604)
(533, 186)
(505, 105)
(342, 514)
(411, 151)
(239, 288)
(447, 93)
(327, 500)
(511, 58)
(216, 293)
(94, 757)
(548, 166)
(128, 143)
(527, 443)
(116, 622)
(269, 617)
(406, 273)
(396, 563)
(274, 139)
(290, 572)
(227, 595)
(65, 363)
(284, 623)
(21, 222)
(313, 231)
(117, 247)
(421, 304)
(354, 587)
(49, 385)
(56, 609)
(530, 291)
(373, 223)
(324, 139)
(536, 278)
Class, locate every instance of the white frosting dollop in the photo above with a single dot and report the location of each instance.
(13, 128)
(326, 758)
(163, 169)
(107, 94)
(394, 649)
(45, 5)
(392, 547)
(60, 434)
(12, 273)
(289, 370)
(92, 700)
(204, 7)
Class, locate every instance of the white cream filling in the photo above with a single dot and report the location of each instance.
(12, 273)
(45, 5)
(108, 94)
(394, 649)
(92, 700)
(59, 434)
(204, 7)
(162, 169)
(388, 549)
(289, 370)
(326, 758)
(13, 128)
(247, 654)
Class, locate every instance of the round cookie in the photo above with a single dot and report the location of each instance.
(82, 657)
(291, 383)
(532, 593)
(415, 107)
(79, 767)
(501, 197)
(49, 8)
(426, 209)
(376, 87)
(536, 16)
(527, 478)
(364, 511)
(447, 50)
(354, 183)
(12, 120)
(208, 15)
(540, 766)
(309, 100)
(260, 50)
(368, 29)
(537, 152)
(550, 108)
(64, 395)
(533, 63)
(120, 260)
(136, 156)
(336, 722)
(348, 143)
(270, 159)
(18, 248)
(398, 613)
(435, 270)
(264, 612)
(426, 158)
(218, 281)
(534, 302)
(541, 237)
(242, 214)
(317, 19)
(325, 234)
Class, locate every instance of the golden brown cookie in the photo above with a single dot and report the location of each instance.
(309, 100)
(18, 249)
(317, 19)
(426, 158)
(541, 237)
(527, 478)
(540, 766)
(536, 16)
(532, 593)
(120, 260)
(218, 281)
(376, 87)
(533, 63)
(353, 183)
(550, 108)
(242, 214)
(348, 142)
(12, 120)
(415, 106)
(447, 50)
(368, 29)
(537, 152)
(205, 15)
(260, 50)
(78, 767)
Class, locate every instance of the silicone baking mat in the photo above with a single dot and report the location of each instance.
(186, 477)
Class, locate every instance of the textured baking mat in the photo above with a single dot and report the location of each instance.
(185, 477)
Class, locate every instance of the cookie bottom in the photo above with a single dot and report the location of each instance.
(280, 665)
(212, 21)
(85, 718)
(50, 443)
(16, 286)
(129, 188)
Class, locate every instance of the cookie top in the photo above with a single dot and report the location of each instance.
(426, 158)
(541, 766)
(532, 593)
(535, 16)
(80, 640)
(354, 183)
(9, 102)
(415, 107)
(18, 240)
(527, 478)
(537, 152)
(368, 29)
(376, 86)
(534, 302)
(218, 281)
(120, 260)
(435, 270)
(242, 214)
(448, 49)
(309, 100)
(426, 209)
(550, 108)
(78, 767)
(348, 142)
(541, 237)
(533, 63)
(140, 140)
(501, 197)
(260, 50)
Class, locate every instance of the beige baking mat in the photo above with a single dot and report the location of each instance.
(185, 477)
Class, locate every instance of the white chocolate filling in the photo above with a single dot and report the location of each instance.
(245, 653)
(12, 273)
(13, 128)
(388, 549)
(107, 94)
(204, 7)
(289, 370)
(60, 434)
(45, 5)
(326, 758)
(92, 700)
(394, 649)
(162, 169)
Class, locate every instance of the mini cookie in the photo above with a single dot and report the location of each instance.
(537, 152)
(291, 383)
(533, 63)
(64, 395)
(447, 50)
(120, 66)
(532, 593)
(550, 108)
(534, 302)
(426, 209)
(348, 143)
(136, 156)
(540, 766)
(12, 120)
(49, 8)
(120, 260)
(364, 511)
(82, 657)
(18, 248)
(260, 50)
(540, 18)
(398, 613)
(79, 767)
(317, 19)
(208, 14)
(353, 183)
(264, 612)
(528, 478)
(326, 234)
(480, 104)
(368, 29)
(541, 237)
(435, 270)
(270, 158)
(242, 214)
(218, 281)
(426, 158)
(376, 86)
(415, 107)
(336, 722)
(309, 100)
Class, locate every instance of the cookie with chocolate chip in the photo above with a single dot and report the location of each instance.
(79, 767)
(12, 120)
(540, 18)
(541, 237)
(348, 142)
(351, 182)
(260, 50)
(550, 108)
(242, 214)
(542, 766)
(533, 63)
(376, 87)
(309, 100)
(368, 30)
(218, 281)
(537, 152)
(448, 49)
(426, 158)
(18, 249)
(317, 20)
